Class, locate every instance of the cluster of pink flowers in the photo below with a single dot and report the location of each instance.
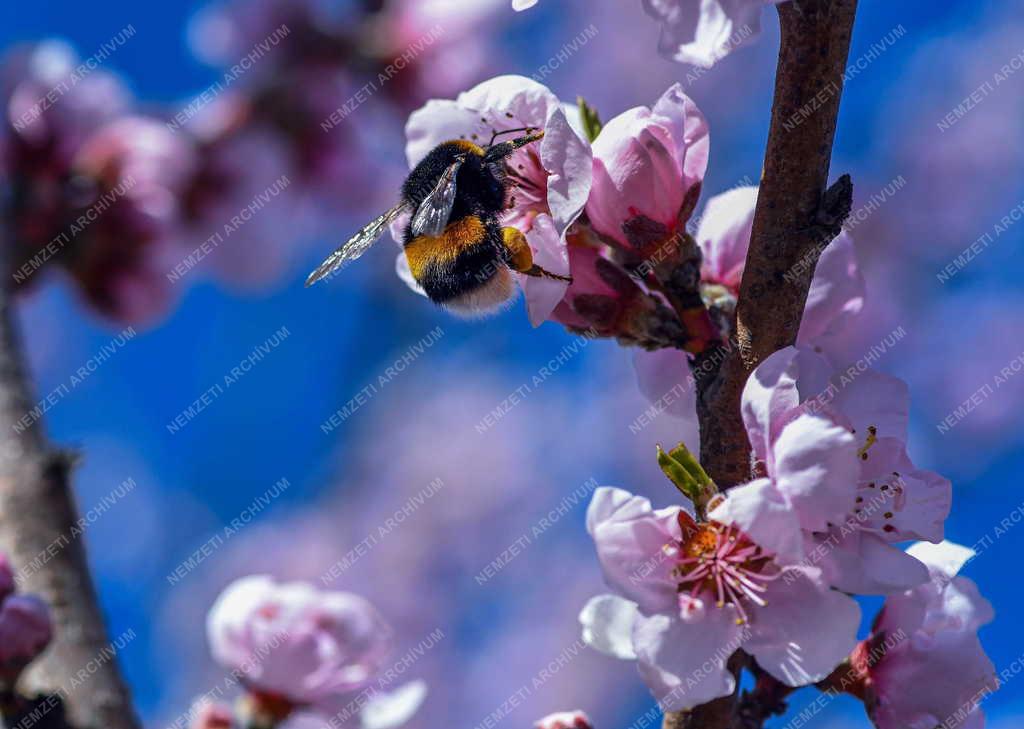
(771, 568)
(834, 497)
(127, 202)
(299, 649)
(611, 208)
(25, 627)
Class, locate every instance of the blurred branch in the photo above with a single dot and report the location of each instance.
(796, 217)
(39, 531)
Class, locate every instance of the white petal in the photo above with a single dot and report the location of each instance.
(392, 709)
(759, 510)
(684, 662)
(944, 560)
(549, 252)
(816, 469)
(607, 622)
(805, 630)
(569, 162)
(769, 398)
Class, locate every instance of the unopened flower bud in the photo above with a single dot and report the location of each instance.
(564, 720)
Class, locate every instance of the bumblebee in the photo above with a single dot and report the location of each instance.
(455, 245)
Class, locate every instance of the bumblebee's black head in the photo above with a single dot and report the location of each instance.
(480, 182)
(495, 153)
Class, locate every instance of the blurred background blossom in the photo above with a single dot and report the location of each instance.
(200, 143)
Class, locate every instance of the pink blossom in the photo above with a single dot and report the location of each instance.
(207, 714)
(138, 169)
(240, 165)
(293, 641)
(447, 62)
(550, 179)
(837, 289)
(702, 32)
(648, 167)
(25, 629)
(564, 720)
(647, 172)
(838, 487)
(39, 139)
(690, 594)
(723, 234)
(933, 670)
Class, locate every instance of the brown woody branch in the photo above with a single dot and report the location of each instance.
(796, 217)
(38, 518)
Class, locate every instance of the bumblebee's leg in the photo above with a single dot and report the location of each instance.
(520, 257)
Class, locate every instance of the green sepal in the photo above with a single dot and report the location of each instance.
(589, 118)
(682, 455)
(678, 475)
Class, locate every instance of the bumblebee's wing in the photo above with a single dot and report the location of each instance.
(357, 245)
(432, 215)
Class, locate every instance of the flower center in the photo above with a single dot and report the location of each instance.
(879, 498)
(878, 501)
(722, 563)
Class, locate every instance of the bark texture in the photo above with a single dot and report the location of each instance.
(38, 518)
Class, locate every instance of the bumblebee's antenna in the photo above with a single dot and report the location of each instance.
(497, 134)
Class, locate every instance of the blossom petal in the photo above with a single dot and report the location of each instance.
(569, 163)
(393, 708)
(549, 252)
(769, 400)
(439, 120)
(632, 543)
(607, 622)
(684, 662)
(702, 33)
(805, 630)
(664, 379)
(724, 235)
(689, 130)
(863, 397)
(815, 468)
(949, 675)
(530, 103)
(943, 560)
(836, 293)
(760, 510)
(865, 564)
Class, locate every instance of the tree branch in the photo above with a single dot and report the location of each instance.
(796, 217)
(38, 530)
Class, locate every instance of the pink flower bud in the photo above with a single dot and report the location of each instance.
(292, 641)
(564, 720)
(648, 168)
(208, 714)
(25, 629)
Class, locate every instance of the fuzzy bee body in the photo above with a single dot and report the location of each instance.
(454, 243)
(465, 268)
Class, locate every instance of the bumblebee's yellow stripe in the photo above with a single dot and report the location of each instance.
(445, 248)
(468, 146)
